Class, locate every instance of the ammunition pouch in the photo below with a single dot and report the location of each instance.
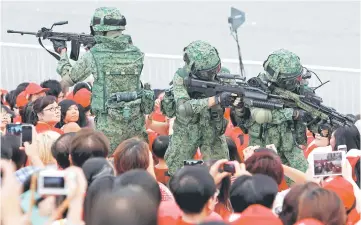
(217, 120)
(167, 105)
(125, 111)
(147, 101)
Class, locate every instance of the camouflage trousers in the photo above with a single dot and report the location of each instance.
(118, 130)
(183, 147)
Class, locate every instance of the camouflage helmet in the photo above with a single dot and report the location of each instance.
(282, 65)
(107, 19)
(202, 60)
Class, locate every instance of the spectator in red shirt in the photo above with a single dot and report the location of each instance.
(323, 205)
(159, 148)
(129, 205)
(249, 190)
(195, 193)
(44, 113)
(135, 154)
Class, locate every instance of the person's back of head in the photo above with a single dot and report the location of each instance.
(88, 143)
(323, 205)
(160, 146)
(349, 136)
(141, 178)
(129, 205)
(265, 162)
(248, 190)
(289, 211)
(193, 187)
(97, 167)
(61, 150)
(96, 190)
(131, 154)
(44, 142)
(54, 87)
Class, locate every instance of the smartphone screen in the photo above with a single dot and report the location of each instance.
(14, 129)
(27, 134)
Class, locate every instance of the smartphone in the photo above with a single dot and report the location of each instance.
(342, 148)
(192, 162)
(14, 129)
(328, 164)
(229, 167)
(27, 133)
(52, 182)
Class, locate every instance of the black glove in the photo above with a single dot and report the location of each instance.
(58, 45)
(225, 99)
(302, 115)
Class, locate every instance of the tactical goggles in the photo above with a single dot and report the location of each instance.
(208, 74)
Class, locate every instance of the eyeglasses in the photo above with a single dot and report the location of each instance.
(53, 109)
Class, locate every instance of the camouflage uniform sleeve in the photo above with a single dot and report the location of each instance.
(72, 74)
(281, 115)
(180, 93)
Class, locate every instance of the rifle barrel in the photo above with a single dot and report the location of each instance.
(21, 32)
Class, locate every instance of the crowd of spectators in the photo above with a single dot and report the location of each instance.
(132, 185)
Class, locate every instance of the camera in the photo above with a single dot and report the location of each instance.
(24, 131)
(52, 182)
(229, 167)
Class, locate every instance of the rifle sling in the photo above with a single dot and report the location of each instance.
(51, 53)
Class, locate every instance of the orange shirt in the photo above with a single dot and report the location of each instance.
(17, 119)
(43, 127)
(160, 175)
(353, 160)
(222, 210)
(169, 213)
(283, 185)
(353, 217)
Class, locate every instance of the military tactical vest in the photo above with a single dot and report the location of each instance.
(119, 65)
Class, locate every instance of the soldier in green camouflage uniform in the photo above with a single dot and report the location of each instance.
(199, 120)
(285, 128)
(116, 65)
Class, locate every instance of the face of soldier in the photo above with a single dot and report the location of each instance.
(50, 114)
(72, 114)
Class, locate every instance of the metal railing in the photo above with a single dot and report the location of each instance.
(20, 63)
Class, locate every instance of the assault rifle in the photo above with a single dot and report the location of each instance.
(313, 104)
(260, 97)
(77, 40)
(252, 96)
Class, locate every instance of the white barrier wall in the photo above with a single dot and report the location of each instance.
(20, 63)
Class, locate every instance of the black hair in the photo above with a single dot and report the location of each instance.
(54, 87)
(232, 149)
(358, 173)
(32, 109)
(60, 149)
(223, 196)
(65, 105)
(141, 178)
(160, 145)
(96, 167)
(129, 205)
(95, 191)
(349, 136)
(157, 92)
(8, 111)
(248, 190)
(10, 145)
(10, 98)
(192, 187)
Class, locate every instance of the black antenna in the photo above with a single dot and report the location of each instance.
(236, 19)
